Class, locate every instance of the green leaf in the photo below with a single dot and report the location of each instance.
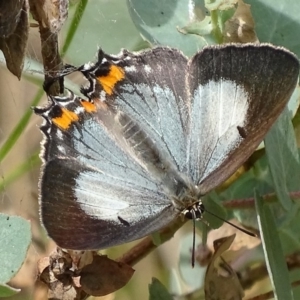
(278, 22)
(282, 154)
(15, 237)
(275, 260)
(160, 23)
(157, 291)
(105, 24)
(75, 21)
(212, 204)
(7, 291)
(203, 27)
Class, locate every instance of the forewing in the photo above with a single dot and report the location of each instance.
(149, 88)
(236, 93)
(94, 194)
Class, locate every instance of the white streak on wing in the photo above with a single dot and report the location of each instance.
(64, 103)
(88, 66)
(59, 135)
(232, 105)
(102, 95)
(130, 69)
(147, 69)
(78, 110)
(61, 149)
(103, 200)
(94, 199)
(217, 109)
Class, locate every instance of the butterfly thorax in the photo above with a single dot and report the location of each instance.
(182, 191)
(188, 202)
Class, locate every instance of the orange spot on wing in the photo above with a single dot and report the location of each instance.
(109, 81)
(88, 106)
(66, 119)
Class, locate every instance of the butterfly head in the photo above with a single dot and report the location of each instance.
(195, 211)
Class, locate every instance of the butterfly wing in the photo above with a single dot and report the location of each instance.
(237, 92)
(111, 164)
(151, 91)
(155, 124)
(93, 193)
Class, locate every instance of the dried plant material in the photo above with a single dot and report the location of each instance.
(242, 241)
(59, 274)
(10, 13)
(14, 29)
(104, 276)
(221, 282)
(81, 258)
(220, 4)
(240, 28)
(50, 14)
(201, 28)
(69, 274)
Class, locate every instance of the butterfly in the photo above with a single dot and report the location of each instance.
(154, 133)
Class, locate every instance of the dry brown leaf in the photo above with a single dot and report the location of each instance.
(240, 28)
(221, 282)
(58, 273)
(104, 276)
(242, 242)
(14, 29)
(50, 14)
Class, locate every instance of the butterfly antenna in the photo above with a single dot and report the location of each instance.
(194, 242)
(233, 225)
